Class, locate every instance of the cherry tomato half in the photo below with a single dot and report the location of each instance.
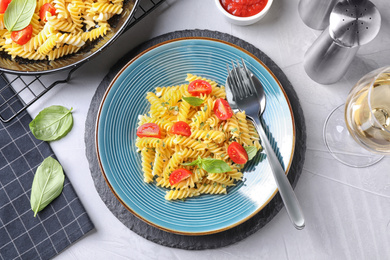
(23, 36)
(3, 5)
(197, 87)
(222, 109)
(181, 128)
(46, 8)
(179, 175)
(149, 130)
(237, 153)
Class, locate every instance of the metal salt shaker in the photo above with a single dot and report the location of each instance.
(315, 13)
(352, 23)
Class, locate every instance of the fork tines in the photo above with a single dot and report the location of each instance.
(240, 80)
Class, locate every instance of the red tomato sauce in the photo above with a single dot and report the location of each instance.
(243, 8)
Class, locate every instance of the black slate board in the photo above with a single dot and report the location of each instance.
(156, 235)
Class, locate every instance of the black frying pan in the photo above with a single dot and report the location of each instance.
(26, 67)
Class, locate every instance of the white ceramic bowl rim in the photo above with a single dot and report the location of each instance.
(248, 18)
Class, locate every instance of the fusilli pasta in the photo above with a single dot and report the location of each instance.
(209, 137)
(64, 31)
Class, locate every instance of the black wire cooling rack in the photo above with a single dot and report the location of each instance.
(18, 92)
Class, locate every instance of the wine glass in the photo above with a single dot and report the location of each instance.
(358, 133)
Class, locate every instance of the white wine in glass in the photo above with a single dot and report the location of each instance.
(367, 112)
(367, 119)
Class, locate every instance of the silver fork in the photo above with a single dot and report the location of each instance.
(247, 94)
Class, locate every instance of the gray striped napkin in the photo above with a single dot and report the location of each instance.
(56, 227)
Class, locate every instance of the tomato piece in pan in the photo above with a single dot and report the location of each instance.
(181, 128)
(149, 130)
(3, 5)
(222, 109)
(179, 175)
(23, 36)
(237, 153)
(198, 87)
(46, 8)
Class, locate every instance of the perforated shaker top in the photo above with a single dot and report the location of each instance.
(354, 22)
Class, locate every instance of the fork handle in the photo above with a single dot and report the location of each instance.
(291, 202)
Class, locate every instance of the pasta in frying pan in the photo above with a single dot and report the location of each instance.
(63, 31)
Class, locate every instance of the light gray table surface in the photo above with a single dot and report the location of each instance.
(347, 210)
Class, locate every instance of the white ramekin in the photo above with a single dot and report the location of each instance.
(243, 20)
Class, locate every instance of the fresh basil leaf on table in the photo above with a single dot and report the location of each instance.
(193, 101)
(251, 151)
(18, 14)
(52, 123)
(47, 184)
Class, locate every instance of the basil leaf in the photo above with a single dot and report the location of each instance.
(210, 165)
(193, 101)
(251, 151)
(197, 162)
(52, 123)
(47, 184)
(193, 163)
(18, 14)
(215, 166)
